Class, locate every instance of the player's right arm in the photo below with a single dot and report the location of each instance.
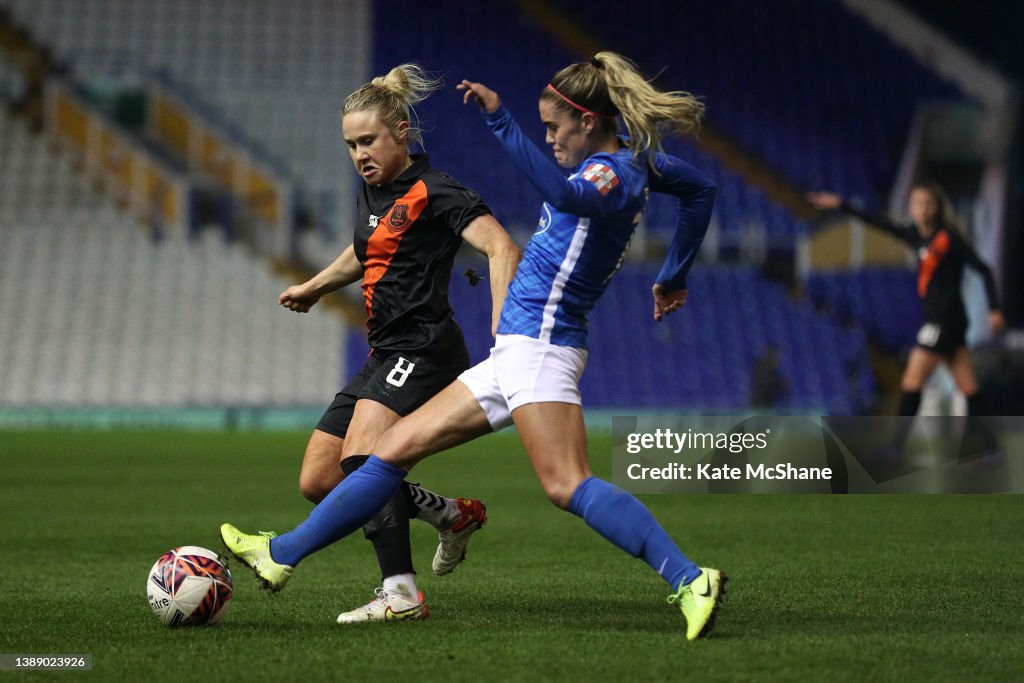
(345, 270)
(830, 201)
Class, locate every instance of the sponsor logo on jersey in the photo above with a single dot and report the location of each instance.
(374, 220)
(602, 176)
(545, 218)
(399, 217)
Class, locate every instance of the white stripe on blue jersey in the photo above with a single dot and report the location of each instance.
(564, 271)
(571, 258)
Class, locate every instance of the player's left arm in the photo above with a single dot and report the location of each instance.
(995, 314)
(486, 235)
(695, 193)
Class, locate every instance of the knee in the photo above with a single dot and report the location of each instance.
(312, 487)
(394, 445)
(968, 387)
(910, 384)
(560, 490)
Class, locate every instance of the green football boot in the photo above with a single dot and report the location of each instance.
(254, 550)
(699, 601)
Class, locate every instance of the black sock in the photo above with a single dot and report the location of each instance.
(910, 401)
(353, 463)
(977, 437)
(976, 404)
(389, 528)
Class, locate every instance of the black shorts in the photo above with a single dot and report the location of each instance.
(400, 381)
(942, 338)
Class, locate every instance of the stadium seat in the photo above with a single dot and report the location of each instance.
(275, 73)
(703, 356)
(100, 313)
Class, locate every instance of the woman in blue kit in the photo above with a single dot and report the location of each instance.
(531, 378)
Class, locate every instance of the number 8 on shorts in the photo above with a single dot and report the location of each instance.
(403, 368)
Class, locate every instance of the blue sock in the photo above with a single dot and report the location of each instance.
(349, 506)
(626, 522)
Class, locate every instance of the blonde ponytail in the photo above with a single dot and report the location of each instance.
(645, 110)
(393, 95)
(609, 85)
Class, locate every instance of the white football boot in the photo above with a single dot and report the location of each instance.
(389, 605)
(452, 542)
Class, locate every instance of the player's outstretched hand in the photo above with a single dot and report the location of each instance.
(824, 201)
(667, 302)
(297, 298)
(485, 98)
(996, 321)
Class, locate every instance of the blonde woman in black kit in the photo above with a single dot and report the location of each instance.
(412, 219)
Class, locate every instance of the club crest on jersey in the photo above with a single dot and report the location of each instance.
(399, 217)
(602, 176)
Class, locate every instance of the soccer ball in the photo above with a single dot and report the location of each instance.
(189, 586)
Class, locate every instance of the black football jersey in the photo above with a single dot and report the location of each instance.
(406, 238)
(941, 259)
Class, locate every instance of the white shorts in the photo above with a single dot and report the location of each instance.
(522, 370)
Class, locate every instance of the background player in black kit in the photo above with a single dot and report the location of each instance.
(942, 254)
(412, 220)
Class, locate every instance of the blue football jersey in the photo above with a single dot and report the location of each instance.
(584, 230)
(571, 258)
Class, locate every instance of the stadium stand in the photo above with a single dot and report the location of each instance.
(97, 312)
(743, 214)
(823, 100)
(12, 84)
(773, 109)
(274, 71)
(703, 358)
(807, 85)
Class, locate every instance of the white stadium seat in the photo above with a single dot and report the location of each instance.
(95, 312)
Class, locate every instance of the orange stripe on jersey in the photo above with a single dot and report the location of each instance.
(936, 252)
(383, 243)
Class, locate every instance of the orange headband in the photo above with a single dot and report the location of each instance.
(573, 104)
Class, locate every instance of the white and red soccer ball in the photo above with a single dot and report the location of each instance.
(189, 586)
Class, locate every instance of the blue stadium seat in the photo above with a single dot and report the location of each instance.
(702, 359)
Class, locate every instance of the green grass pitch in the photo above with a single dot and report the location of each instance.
(823, 587)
